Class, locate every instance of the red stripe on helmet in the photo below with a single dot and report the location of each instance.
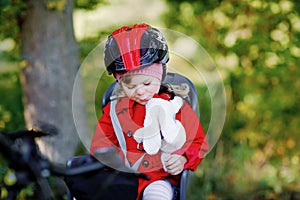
(128, 40)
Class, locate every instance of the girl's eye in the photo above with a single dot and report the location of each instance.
(130, 87)
(147, 83)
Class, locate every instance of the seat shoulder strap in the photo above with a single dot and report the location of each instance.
(120, 136)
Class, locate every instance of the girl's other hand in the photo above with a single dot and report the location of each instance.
(175, 163)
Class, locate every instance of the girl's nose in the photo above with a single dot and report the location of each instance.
(140, 90)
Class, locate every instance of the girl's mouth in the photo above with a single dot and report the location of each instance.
(143, 101)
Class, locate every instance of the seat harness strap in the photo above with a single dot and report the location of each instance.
(120, 136)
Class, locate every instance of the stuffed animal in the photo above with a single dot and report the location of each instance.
(161, 130)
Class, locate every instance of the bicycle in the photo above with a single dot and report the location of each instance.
(30, 166)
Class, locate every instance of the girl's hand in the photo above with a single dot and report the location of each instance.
(175, 163)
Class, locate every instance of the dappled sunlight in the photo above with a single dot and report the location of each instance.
(230, 61)
(272, 60)
(295, 21)
(7, 45)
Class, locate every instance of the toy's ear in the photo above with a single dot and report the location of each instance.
(139, 135)
(151, 126)
(152, 145)
(150, 136)
(177, 143)
(150, 133)
(176, 103)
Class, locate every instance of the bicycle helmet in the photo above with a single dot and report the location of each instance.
(130, 48)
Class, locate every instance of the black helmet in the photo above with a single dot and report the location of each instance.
(129, 48)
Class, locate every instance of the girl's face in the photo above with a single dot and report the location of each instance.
(140, 88)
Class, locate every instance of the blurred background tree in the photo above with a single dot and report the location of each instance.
(43, 43)
(255, 45)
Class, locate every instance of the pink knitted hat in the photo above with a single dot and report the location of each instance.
(155, 70)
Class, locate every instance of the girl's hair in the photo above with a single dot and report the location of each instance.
(120, 92)
(175, 90)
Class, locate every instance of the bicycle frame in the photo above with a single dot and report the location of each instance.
(29, 165)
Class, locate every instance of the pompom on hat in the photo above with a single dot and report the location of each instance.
(154, 70)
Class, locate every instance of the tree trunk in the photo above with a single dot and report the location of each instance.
(51, 62)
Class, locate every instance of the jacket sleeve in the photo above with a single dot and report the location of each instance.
(196, 145)
(104, 135)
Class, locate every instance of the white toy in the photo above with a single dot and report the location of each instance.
(161, 130)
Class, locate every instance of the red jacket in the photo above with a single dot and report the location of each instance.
(131, 116)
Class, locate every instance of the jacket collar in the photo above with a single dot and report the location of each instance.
(125, 103)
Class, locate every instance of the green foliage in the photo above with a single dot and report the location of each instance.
(13, 14)
(11, 109)
(59, 5)
(87, 4)
(10, 18)
(11, 105)
(56, 5)
(256, 46)
(204, 105)
(88, 44)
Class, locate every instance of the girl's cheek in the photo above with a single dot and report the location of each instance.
(129, 93)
